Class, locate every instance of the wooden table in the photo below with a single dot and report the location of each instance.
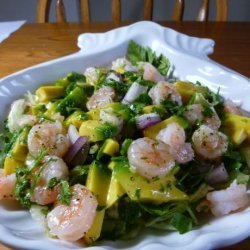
(36, 43)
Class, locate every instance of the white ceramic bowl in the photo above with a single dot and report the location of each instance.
(189, 57)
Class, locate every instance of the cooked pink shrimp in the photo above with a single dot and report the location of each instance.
(17, 117)
(194, 114)
(48, 136)
(74, 221)
(54, 167)
(209, 143)
(164, 90)
(150, 158)
(231, 107)
(102, 96)
(151, 73)
(228, 200)
(174, 136)
(7, 185)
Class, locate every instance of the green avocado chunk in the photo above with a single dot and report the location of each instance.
(139, 188)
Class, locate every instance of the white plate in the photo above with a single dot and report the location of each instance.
(189, 57)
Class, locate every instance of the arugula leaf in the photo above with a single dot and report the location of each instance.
(137, 53)
(181, 222)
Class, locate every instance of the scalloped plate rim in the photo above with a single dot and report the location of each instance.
(230, 238)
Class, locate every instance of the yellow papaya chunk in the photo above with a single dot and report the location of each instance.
(10, 165)
(111, 147)
(187, 89)
(236, 127)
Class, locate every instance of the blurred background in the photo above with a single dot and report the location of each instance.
(239, 10)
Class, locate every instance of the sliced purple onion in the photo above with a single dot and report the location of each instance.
(217, 175)
(147, 120)
(134, 92)
(78, 152)
(73, 134)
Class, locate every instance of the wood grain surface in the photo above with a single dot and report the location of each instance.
(36, 43)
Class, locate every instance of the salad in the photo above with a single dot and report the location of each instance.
(107, 153)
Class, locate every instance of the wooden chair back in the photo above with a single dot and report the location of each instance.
(221, 10)
(43, 8)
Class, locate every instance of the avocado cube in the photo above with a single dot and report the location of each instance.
(94, 114)
(98, 182)
(115, 191)
(96, 130)
(19, 150)
(76, 118)
(152, 131)
(139, 188)
(46, 93)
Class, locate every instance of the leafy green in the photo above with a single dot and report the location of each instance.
(125, 145)
(173, 108)
(181, 222)
(65, 193)
(7, 140)
(141, 101)
(76, 99)
(137, 53)
(119, 87)
(53, 182)
(78, 174)
(23, 186)
(107, 130)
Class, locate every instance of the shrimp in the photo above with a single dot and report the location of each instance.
(121, 65)
(228, 200)
(150, 158)
(101, 97)
(174, 136)
(151, 73)
(7, 185)
(48, 136)
(164, 90)
(73, 222)
(194, 114)
(232, 108)
(17, 117)
(209, 143)
(54, 167)
(92, 75)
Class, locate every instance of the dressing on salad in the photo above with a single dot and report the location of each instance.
(107, 153)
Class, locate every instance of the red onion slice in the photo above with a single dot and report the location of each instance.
(217, 175)
(73, 134)
(147, 120)
(134, 92)
(77, 152)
